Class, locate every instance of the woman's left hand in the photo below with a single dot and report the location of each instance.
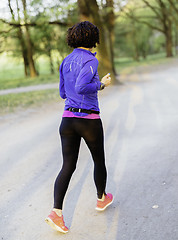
(106, 80)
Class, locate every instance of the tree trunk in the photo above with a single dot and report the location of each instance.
(24, 52)
(167, 26)
(33, 72)
(20, 37)
(176, 41)
(169, 44)
(110, 23)
(164, 16)
(23, 45)
(136, 50)
(135, 43)
(51, 61)
(89, 11)
(144, 55)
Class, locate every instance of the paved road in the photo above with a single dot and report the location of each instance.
(140, 120)
(29, 88)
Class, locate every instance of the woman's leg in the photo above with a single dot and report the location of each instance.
(92, 132)
(70, 141)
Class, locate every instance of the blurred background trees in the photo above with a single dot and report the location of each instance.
(30, 29)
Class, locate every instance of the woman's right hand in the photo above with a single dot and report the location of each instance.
(106, 80)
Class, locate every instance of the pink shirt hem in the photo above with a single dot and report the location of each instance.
(89, 116)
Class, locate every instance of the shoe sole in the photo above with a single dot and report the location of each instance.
(102, 209)
(54, 226)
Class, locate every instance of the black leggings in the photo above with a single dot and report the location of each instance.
(71, 132)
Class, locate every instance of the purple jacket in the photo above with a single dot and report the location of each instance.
(79, 80)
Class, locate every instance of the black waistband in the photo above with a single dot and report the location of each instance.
(82, 110)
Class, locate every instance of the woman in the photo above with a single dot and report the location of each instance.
(79, 84)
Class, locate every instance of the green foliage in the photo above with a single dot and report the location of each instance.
(132, 39)
(146, 27)
(157, 43)
(46, 38)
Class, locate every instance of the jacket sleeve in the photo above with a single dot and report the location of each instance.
(88, 80)
(61, 83)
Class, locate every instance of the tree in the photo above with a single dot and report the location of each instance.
(21, 27)
(161, 17)
(28, 28)
(109, 20)
(20, 37)
(89, 11)
(33, 72)
(43, 43)
(133, 39)
(22, 33)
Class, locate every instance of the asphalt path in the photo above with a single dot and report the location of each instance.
(140, 119)
(29, 88)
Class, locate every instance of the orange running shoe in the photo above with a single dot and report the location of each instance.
(56, 222)
(102, 205)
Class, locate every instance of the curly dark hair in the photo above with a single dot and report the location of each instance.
(83, 34)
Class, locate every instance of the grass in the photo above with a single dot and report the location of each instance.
(22, 82)
(12, 76)
(12, 102)
(128, 65)
(12, 73)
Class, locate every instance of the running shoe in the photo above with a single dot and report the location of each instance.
(102, 205)
(56, 222)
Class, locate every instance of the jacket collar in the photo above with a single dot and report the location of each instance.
(81, 49)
